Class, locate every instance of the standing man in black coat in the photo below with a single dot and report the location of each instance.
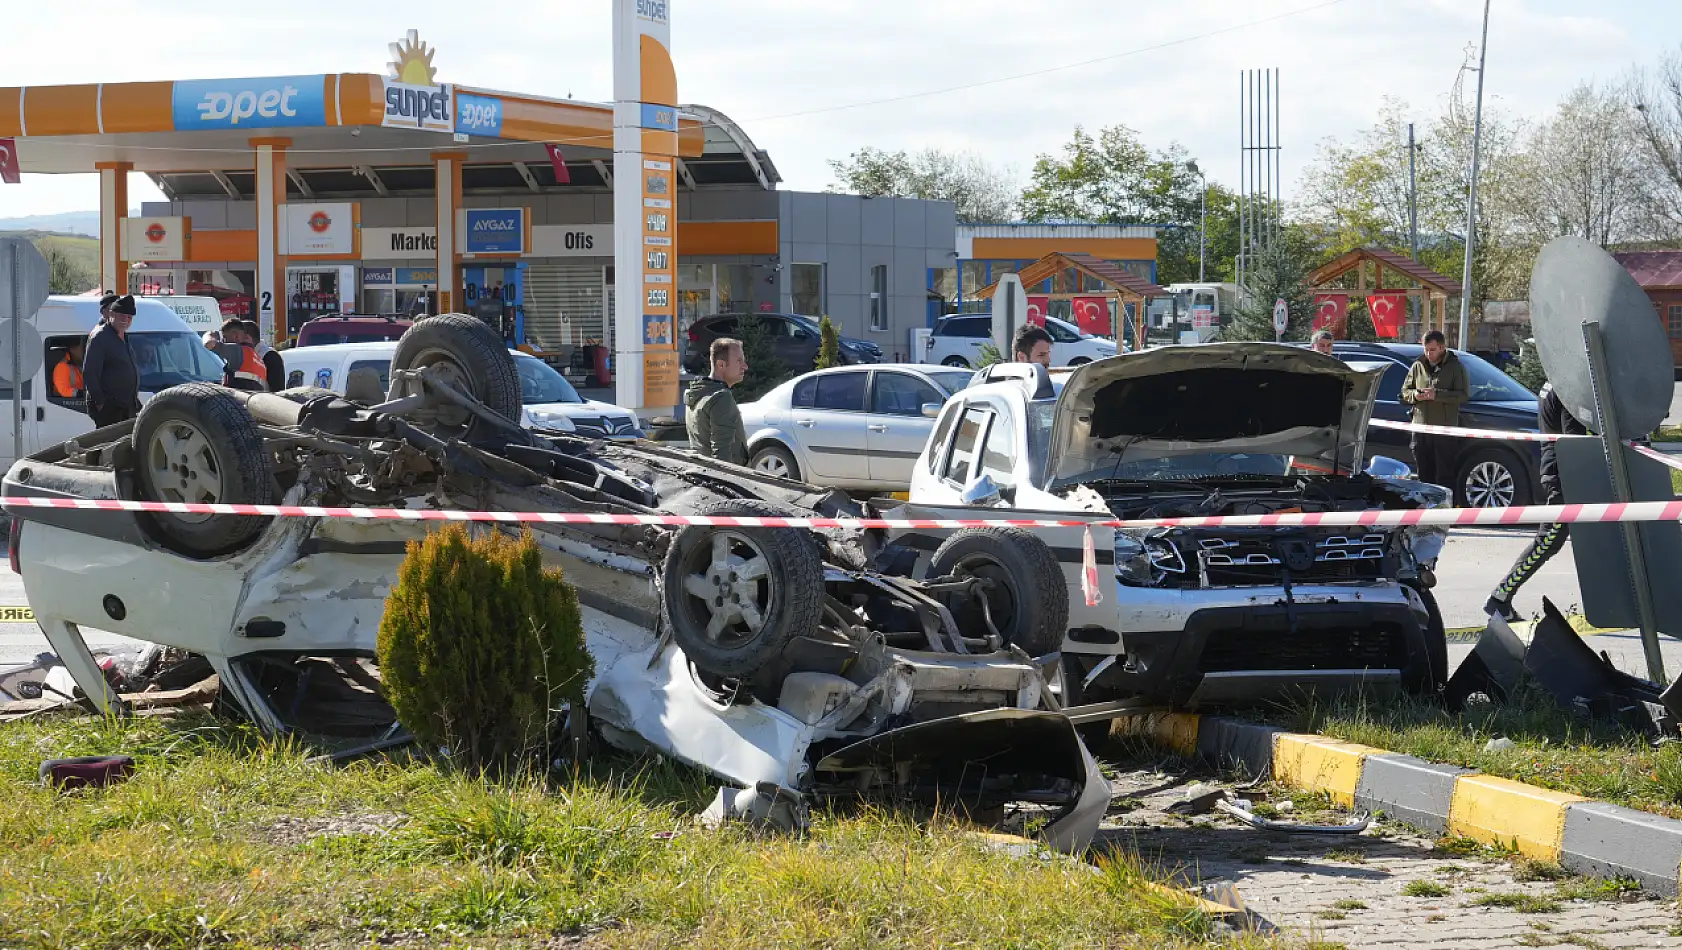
(1553, 419)
(109, 370)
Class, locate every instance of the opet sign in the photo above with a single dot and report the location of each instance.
(277, 102)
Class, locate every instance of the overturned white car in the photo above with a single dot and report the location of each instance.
(1198, 616)
(780, 659)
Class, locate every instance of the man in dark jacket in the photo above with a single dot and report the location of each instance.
(109, 370)
(1552, 418)
(1436, 387)
(713, 420)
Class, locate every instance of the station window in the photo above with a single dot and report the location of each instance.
(1675, 322)
(807, 289)
(879, 297)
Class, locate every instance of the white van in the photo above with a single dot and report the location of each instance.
(166, 350)
(550, 401)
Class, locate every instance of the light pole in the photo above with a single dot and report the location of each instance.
(1472, 194)
(1202, 220)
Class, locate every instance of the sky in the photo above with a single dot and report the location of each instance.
(813, 82)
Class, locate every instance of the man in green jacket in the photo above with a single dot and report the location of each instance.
(714, 422)
(1436, 387)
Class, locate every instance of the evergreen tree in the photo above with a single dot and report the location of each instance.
(829, 349)
(1277, 273)
(1529, 371)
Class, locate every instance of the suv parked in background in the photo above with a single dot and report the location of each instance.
(796, 338)
(339, 328)
(957, 341)
(1487, 473)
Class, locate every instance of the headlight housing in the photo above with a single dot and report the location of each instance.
(1141, 560)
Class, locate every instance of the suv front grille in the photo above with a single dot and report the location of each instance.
(1249, 559)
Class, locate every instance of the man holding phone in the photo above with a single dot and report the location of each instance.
(1436, 387)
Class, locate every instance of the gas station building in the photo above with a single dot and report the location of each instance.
(293, 196)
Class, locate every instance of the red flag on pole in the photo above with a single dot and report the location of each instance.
(562, 176)
(1388, 312)
(9, 162)
(1331, 312)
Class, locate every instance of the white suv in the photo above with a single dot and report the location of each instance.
(957, 341)
(1199, 616)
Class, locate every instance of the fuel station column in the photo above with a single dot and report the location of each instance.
(645, 125)
(271, 256)
(113, 209)
(447, 172)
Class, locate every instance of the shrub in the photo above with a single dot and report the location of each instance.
(829, 346)
(480, 645)
(766, 370)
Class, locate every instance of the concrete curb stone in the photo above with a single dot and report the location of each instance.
(1408, 789)
(1611, 841)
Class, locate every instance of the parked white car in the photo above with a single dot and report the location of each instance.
(550, 401)
(1197, 615)
(852, 427)
(957, 341)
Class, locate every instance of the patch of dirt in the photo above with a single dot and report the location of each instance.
(290, 831)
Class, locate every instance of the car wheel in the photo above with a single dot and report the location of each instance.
(1079, 361)
(737, 596)
(1029, 599)
(776, 461)
(956, 362)
(467, 354)
(197, 444)
(1436, 642)
(1491, 477)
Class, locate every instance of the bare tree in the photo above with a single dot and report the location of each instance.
(1657, 100)
(1582, 172)
(981, 191)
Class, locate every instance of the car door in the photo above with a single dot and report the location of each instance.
(1066, 344)
(832, 430)
(796, 346)
(896, 429)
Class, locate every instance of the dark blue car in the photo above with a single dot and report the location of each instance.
(1487, 473)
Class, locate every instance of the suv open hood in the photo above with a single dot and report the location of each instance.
(1260, 398)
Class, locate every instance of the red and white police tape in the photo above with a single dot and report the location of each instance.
(1502, 435)
(1445, 517)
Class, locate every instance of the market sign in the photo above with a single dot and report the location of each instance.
(495, 231)
(155, 239)
(319, 229)
(418, 107)
(399, 244)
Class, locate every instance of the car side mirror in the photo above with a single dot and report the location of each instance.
(931, 410)
(982, 493)
(1383, 466)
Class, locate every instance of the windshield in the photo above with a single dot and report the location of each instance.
(1490, 384)
(173, 358)
(952, 381)
(1062, 332)
(539, 383)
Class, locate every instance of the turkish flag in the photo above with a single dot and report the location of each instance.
(1331, 312)
(559, 164)
(1037, 309)
(1389, 312)
(1092, 315)
(9, 161)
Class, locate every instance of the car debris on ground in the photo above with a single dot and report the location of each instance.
(795, 665)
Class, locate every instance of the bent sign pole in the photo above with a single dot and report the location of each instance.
(23, 289)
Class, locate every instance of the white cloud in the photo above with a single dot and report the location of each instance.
(766, 63)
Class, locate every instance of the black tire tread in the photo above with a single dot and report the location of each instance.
(224, 420)
(799, 602)
(479, 351)
(1044, 597)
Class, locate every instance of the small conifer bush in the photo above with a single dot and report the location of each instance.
(480, 646)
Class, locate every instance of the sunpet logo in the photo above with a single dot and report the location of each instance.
(418, 107)
(249, 103)
(656, 10)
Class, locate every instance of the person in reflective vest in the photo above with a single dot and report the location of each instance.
(245, 370)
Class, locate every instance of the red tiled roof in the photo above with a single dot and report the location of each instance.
(1653, 269)
(1115, 275)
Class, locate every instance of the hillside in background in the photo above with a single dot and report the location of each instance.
(75, 258)
(67, 222)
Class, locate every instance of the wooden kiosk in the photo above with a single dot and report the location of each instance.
(1118, 284)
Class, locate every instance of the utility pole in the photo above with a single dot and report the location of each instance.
(1203, 219)
(1413, 218)
(1472, 194)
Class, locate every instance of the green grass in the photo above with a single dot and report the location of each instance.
(1553, 749)
(221, 838)
(1424, 888)
(1523, 903)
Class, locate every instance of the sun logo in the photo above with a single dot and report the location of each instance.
(412, 61)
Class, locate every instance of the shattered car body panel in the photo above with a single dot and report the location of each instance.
(307, 588)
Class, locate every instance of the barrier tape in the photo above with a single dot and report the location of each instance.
(1498, 435)
(1428, 517)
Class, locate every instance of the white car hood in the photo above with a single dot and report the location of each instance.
(1260, 398)
(570, 410)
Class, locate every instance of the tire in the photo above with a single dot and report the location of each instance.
(786, 592)
(1079, 361)
(956, 362)
(1436, 641)
(1491, 477)
(775, 460)
(197, 443)
(473, 358)
(1029, 602)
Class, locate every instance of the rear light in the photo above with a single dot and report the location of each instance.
(15, 528)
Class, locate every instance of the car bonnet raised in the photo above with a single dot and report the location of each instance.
(1260, 398)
